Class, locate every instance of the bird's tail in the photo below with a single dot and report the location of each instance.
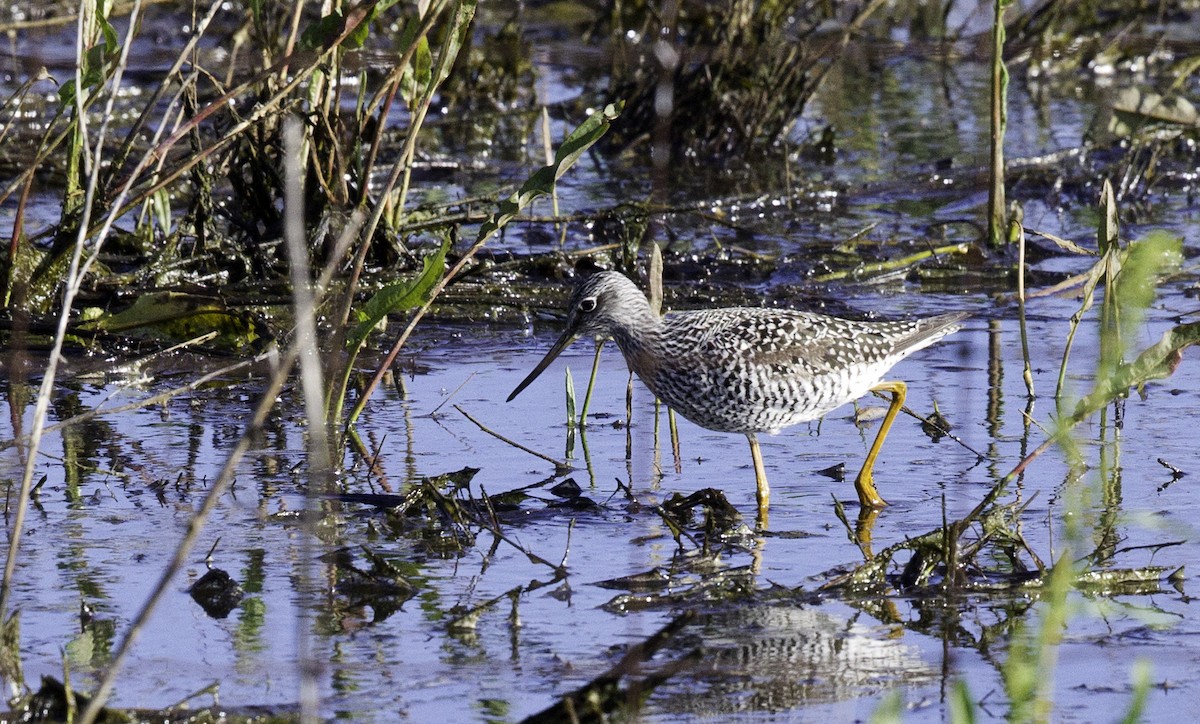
(931, 329)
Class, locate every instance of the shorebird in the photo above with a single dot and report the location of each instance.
(746, 369)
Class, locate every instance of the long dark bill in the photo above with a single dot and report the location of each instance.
(563, 342)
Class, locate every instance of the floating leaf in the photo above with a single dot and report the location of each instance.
(1134, 107)
(180, 316)
(1064, 244)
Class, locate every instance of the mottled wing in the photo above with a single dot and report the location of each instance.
(789, 342)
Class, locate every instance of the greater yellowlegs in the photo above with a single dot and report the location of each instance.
(750, 370)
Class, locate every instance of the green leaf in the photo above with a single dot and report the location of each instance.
(1131, 285)
(322, 34)
(419, 79)
(95, 64)
(1141, 687)
(422, 67)
(1106, 232)
(358, 36)
(111, 42)
(962, 708)
(1136, 283)
(890, 709)
(1157, 362)
(463, 15)
(543, 180)
(398, 296)
(160, 204)
(423, 62)
(66, 93)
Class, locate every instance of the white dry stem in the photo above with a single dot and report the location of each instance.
(320, 468)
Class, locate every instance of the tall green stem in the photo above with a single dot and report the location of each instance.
(997, 221)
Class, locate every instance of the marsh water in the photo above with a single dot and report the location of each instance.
(488, 633)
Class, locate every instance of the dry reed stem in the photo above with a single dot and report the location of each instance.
(320, 463)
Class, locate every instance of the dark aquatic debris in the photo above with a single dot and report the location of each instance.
(652, 580)
(448, 497)
(717, 586)
(567, 489)
(719, 512)
(834, 472)
(53, 702)
(961, 556)
(217, 593)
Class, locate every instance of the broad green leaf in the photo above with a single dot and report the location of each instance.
(398, 296)
(1130, 288)
(358, 36)
(325, 32)
(66, 93)
(463, 14)
(422, 65)
(111, 42)
(543, 180)
(1130, 277)
(95, 66)
(1157, 362)
(161, 206)
(322, 32)
(1136, 283)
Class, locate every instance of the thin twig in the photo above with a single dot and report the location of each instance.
(927, 421)
(533, 557)
(559, 466)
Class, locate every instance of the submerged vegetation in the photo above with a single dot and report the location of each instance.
(277, 185)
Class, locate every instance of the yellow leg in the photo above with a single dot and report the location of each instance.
(868, 497)
(864, 529)
(760, 479)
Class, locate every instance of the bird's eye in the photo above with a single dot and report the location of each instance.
(588, 304)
